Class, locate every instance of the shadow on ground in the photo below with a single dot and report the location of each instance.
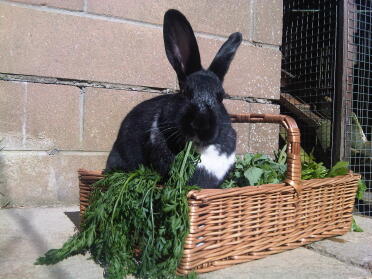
(74, 217)
(39, 242)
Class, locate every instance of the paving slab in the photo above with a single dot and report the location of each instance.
(353, 248)
(300, 263)
(26, 233)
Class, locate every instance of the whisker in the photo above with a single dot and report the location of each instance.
(160, 129)
(177, 137)
(172, 135)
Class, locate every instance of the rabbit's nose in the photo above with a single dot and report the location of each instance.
(200, 123)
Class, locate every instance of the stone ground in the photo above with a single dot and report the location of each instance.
(26, 233)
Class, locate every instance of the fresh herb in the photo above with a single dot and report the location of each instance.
(135, 227)
(255, 169)
(355, 227)
(359, 195)
(281, 155)
(341, 168)
(362, 187)
(312, 169)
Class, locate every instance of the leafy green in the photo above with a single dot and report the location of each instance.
(312, 169)
(355, 227)
(255, 169)
(253, 175)
(135, 227)
(341, 168)
(362, 187)
(281, 155)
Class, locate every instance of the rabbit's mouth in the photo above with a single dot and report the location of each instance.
(199, 126)
(196, 141)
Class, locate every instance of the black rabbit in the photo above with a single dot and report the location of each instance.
(157, 129)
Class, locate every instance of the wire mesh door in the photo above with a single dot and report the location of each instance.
(308, 72)
(358, 94)
(327, 81)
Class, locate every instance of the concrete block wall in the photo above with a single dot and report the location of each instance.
(70, 71)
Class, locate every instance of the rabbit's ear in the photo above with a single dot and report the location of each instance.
(220, 64)
(180, 44)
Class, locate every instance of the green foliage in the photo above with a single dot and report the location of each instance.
(312, 169)
(281, 155)
(362, 187)
(255, 169)
(135, 215)
(355, 227)
(341, 168)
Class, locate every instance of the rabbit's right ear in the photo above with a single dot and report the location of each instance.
(221, 63)
(180, 45)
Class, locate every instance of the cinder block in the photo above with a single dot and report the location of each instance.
(264, 137)
(242, 129)
(218, 17)
(76, 47)
(254, 72)
(236, 106)
(254, 138)
(52, 117)
(104, 110)
(12, 114)
(36, 178)
(67, 177)
(268, 22)
(65, 4)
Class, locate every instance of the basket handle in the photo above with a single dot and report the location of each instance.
(293, 174)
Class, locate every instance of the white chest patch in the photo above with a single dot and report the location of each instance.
(215, 163)
(154, 129)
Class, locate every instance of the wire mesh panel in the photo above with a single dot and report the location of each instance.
(358, 97)
(308, 71)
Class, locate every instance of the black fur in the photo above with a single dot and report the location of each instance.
(157, 129)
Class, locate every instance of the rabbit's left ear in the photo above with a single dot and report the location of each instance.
(180, 44)
(220, 64)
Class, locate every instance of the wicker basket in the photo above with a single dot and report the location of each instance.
(230, 226)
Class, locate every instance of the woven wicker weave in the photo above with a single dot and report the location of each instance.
(230, 226)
